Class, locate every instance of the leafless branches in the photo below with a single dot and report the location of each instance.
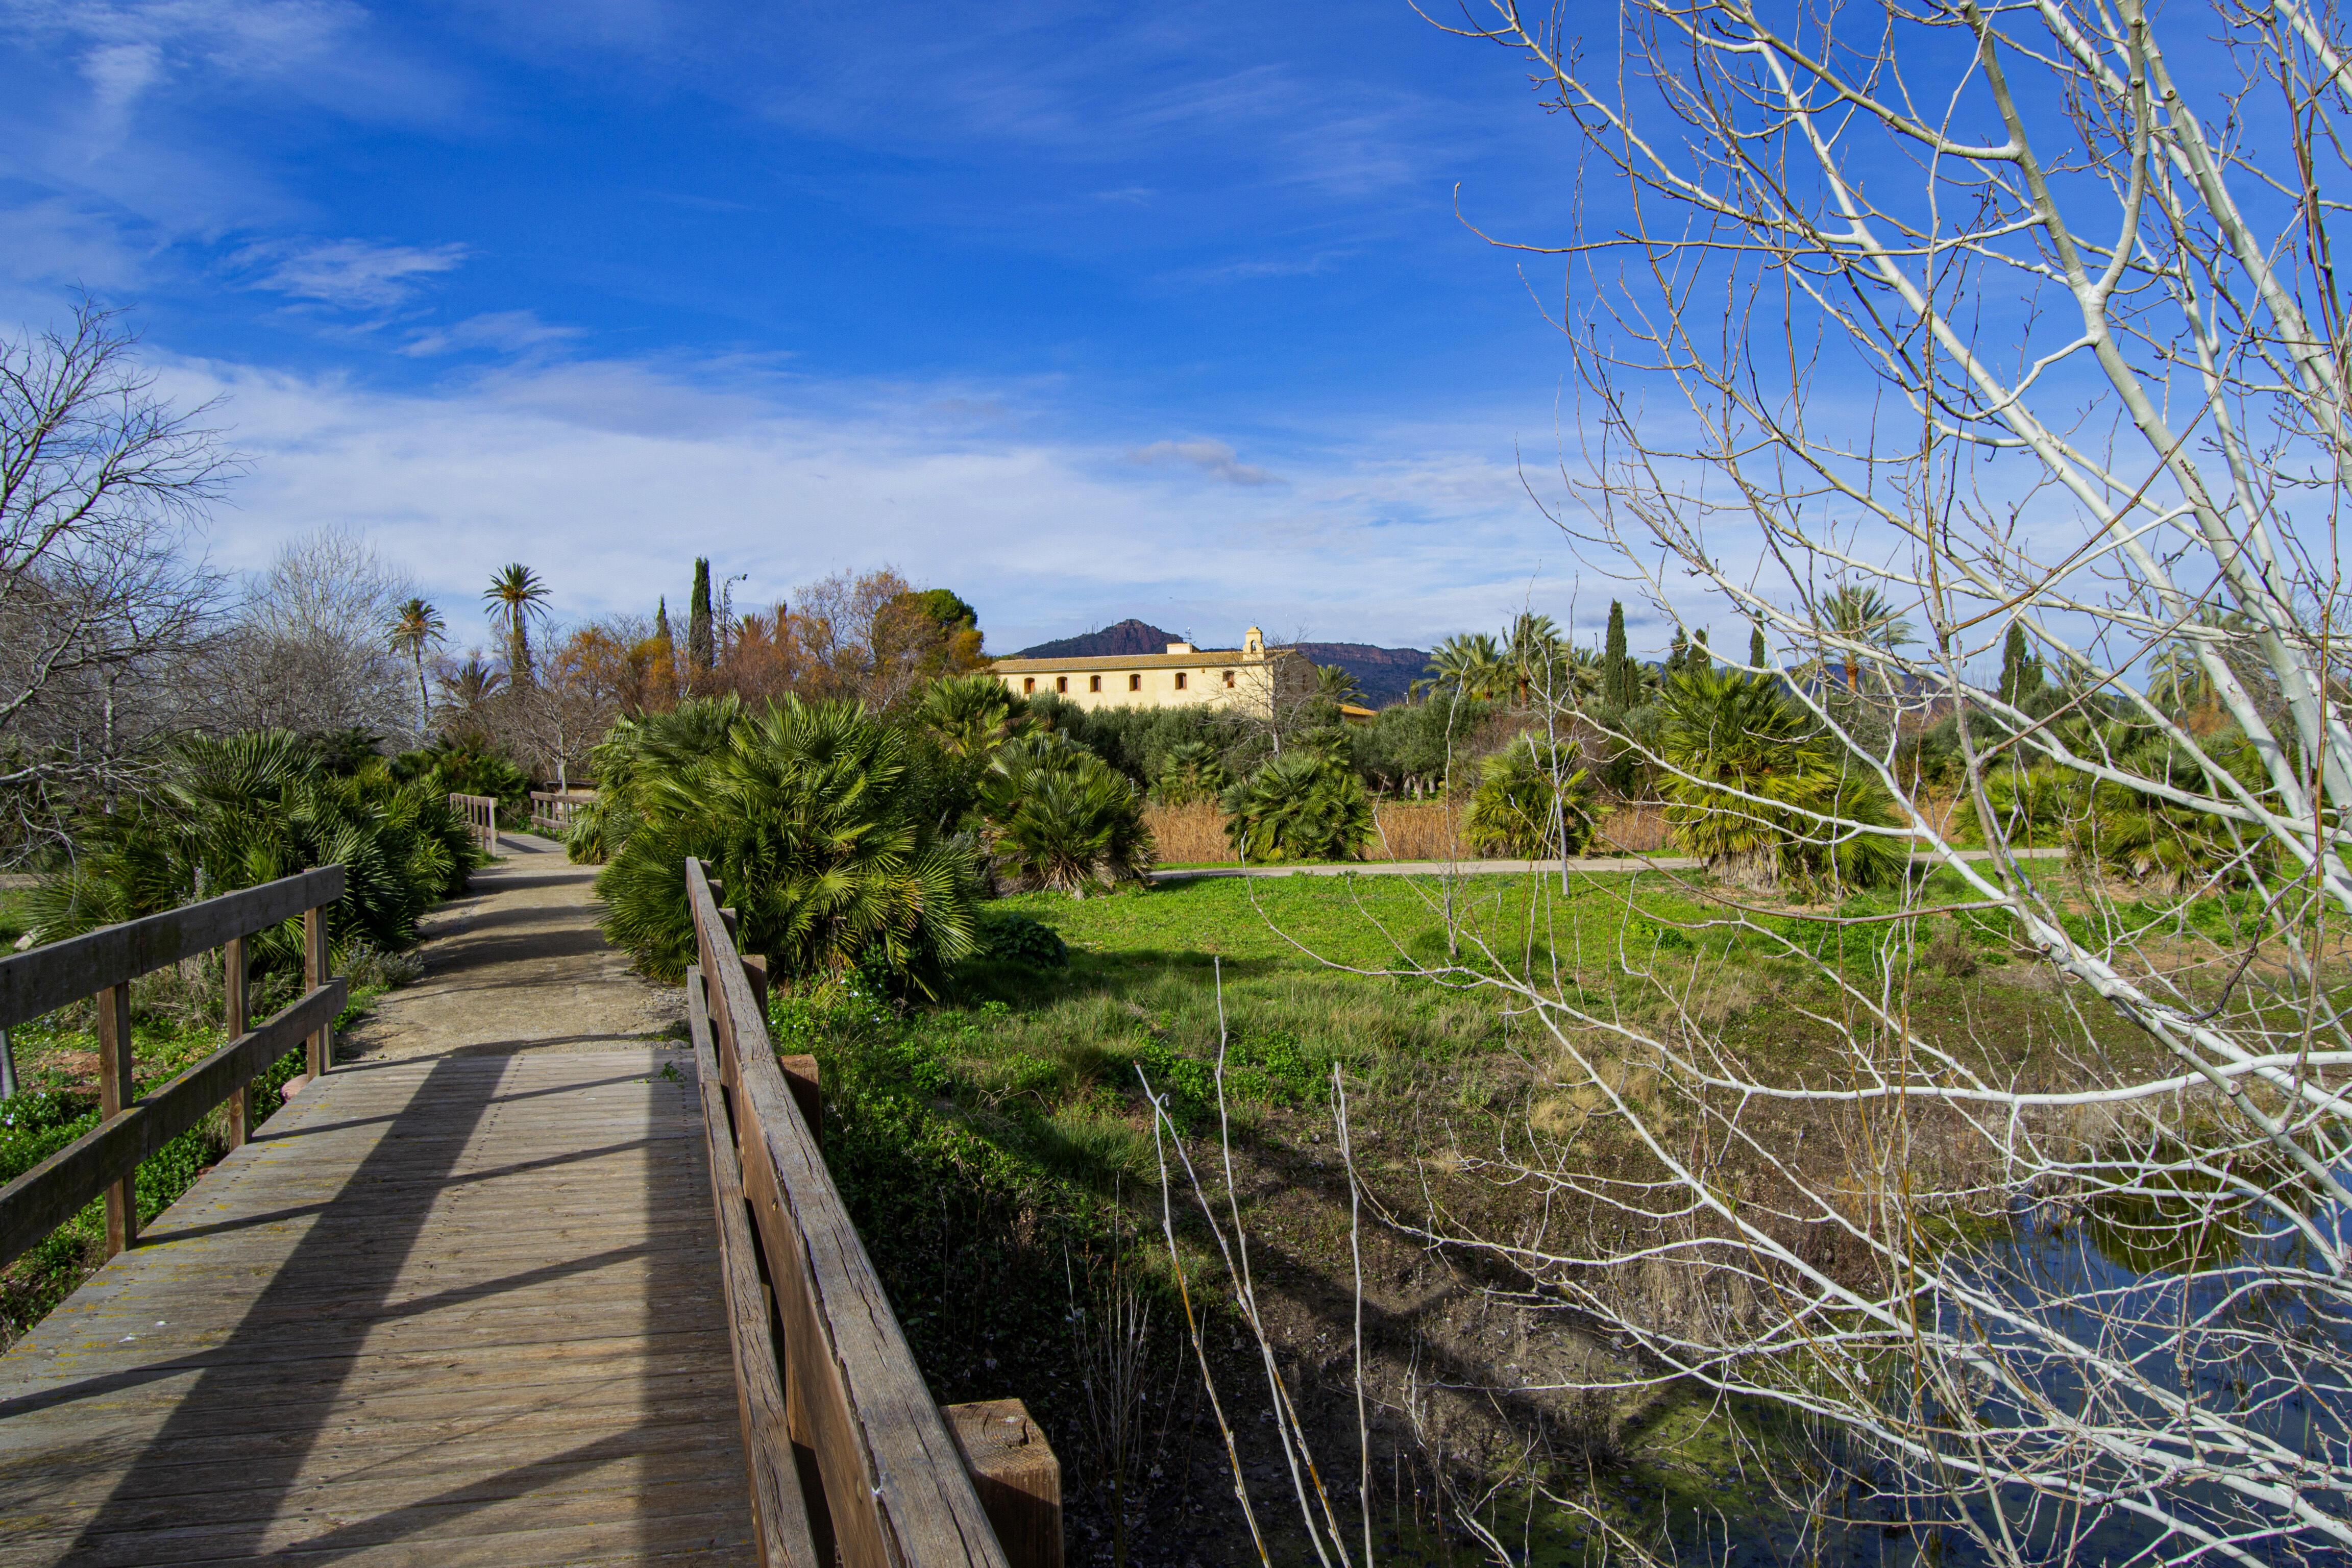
(100, 483)
(2007, 314)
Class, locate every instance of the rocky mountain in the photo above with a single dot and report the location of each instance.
(1382, 672)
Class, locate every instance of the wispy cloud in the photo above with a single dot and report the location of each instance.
(856, 476)
(1213, 459)
(352, 274)
(511, 332)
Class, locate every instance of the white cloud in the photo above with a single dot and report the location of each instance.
(514, 331)
(609, 478)
(351, 273)
(1212, 458)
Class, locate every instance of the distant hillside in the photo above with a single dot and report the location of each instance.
(1130, 636)
(1382, 672)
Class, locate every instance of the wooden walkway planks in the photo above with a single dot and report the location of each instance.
(445, 1310)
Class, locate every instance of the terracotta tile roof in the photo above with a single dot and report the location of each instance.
(1199, 659)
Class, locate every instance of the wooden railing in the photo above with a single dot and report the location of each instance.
(481, 815)
(551, 811)
(103, 964)
(848, 1455)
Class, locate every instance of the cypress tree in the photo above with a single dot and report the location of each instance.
(1676, 651)
(661, 623)
(2021, 672)
(1757, 654)
(1698, 657)
(1616, 669)
(701, 652)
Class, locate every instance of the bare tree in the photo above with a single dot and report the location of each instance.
(1993, 313)
(307, 650)
(100, 482)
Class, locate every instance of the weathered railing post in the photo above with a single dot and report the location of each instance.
(104, 1162)
(314, 974)
(117, 1088)
(237, 1017)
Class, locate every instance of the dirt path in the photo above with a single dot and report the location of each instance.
(518, 965)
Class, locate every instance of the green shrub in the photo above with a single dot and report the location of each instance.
(1300, 806)
(1534, 799)
(1193, 771)
(1060, 817)
(809, 814)
(1008, 937)
(1751, 780)
(451, 766)
(246, 809)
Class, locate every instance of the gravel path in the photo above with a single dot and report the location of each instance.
(518, 965)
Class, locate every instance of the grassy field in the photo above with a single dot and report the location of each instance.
(1001, 1156)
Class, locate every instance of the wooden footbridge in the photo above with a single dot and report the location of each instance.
(597, 1306)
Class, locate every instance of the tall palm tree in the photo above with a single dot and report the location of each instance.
(516, 596)
(1472, 663)
(1861, 614)
(415, 626)
(1535, 651)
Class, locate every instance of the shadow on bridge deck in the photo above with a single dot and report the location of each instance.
(453, 1308)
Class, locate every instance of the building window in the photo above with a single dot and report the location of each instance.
(1028, 684)
(1135, 683)
(1180, 681)
(1061, 683)
(1229, 677)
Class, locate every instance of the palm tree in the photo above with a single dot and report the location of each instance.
(466, 687)
(1860, 614)
(415, 626)
(1473, 664)
(516, 596)
(1535, 652)
(1336, 685)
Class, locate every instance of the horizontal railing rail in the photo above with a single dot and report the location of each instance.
(481, 815)
(850, 1460)
(551, 811)
(102, 964)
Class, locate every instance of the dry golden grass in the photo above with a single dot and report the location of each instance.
(1636, 829)
(1409, 830)
(1190, 834)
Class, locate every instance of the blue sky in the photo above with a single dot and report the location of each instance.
(1085, 311)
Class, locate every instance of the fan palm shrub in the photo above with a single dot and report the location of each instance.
(636, 751)
(1532, 800)
(241, 810)
(810, 814)
(1060, 817)
(970, 715)
(1193, 772)
(1748, 778)
(1299, 806)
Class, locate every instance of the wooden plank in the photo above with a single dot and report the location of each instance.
(894, 1479)
(44, 979)
(1019, 1479)
(780, 1512)
(54, 1191)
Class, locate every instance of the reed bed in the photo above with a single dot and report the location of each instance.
(1408, 830)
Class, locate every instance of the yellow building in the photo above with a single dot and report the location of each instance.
(1251, 677)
